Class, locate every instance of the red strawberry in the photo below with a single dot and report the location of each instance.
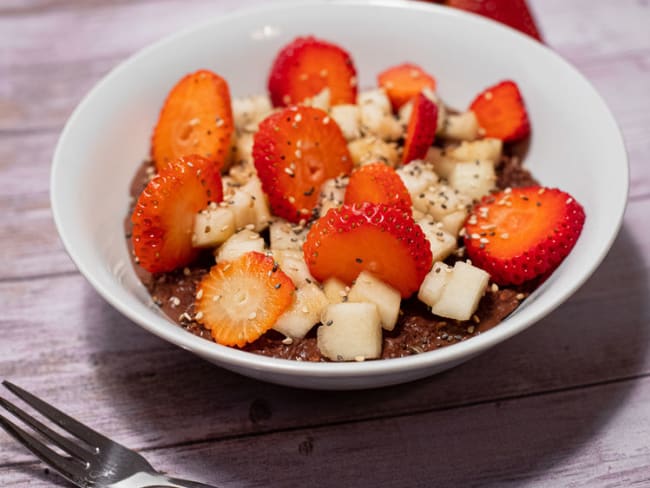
(514, 13)
(163, 217)
(421, 131)
(372, 237)
(377, 183)
(501, 112)
(403, 82)
(524, 233)
(304, 67)
(295, 151)
(195, 119)
(240, 300)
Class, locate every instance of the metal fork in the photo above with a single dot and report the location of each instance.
(93, 460)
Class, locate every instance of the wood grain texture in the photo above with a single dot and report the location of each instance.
(562, 404)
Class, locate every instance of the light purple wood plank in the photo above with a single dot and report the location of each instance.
(591, 437)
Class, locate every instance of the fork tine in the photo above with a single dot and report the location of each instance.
(67, 468)
(67, 423)
(64, 443)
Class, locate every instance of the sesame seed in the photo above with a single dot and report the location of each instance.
(569, 200)
(220, 122)
(298, 153)
(175, 301)
(342, 293)
(471, 329)
(287, 341)
(305, 310)
(298, 117)
(359, 359)
(520, 296)
(199, 294)
(216, 298)
(494, 288)
(289, 172)
(484, 240)
(198, 316)
(326, 120)
(194, 121)
(292, 199)
(505, 235)
(186, 271)
(476, 319)
(329, 322)
(252, 316)
(488, 95)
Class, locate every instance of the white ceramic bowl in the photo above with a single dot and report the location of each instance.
(576, 146)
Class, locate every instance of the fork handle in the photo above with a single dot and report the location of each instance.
(179, 483)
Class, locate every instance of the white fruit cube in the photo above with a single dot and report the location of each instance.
(454, 221)
(248, 111)
(284, 235)
(350, 331)
(417, 177)
(489, 149)
(367, 288)
(434, 283)
(212, 227)
(260, 203)
(335, 290)
(440, 201)
(461, 294)
(242, 205)
(239, 244)
(372, 149)
(378, 123)
(461, 127)
(348, 119)
(441, 242)
(305, 311)
(473, 178)
(376, 98)
(293, 264)
(332, 193)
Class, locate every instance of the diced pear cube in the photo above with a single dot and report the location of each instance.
(371, 149)
(244, 148)
(335, 290)
(461, 294)
(250, 110)
(242, 171)
(473, 178)
(454, 221)
(242, 205)
(212, 227)
(367, 288)
(305, 311)
(442, 243)
(350, 331)
(240, 243)
(461, 127)
(260, 203)
(332, 193)
(417, 177)
(377, 98)
(383, 125)
(348, 118)
(434, 283)
(293, 264)
(284, 235)
(440, 201)
(489, 149)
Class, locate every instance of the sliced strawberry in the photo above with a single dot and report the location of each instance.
(304, 67)
(195, 119)
(514, 13)
(240, 300)
(501, 113)
(163, 217)
(377, 183)
(524, 233)
(372, 237)
(404, 82)
(295, 151)
(421, 131)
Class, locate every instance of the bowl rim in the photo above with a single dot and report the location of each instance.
(162, 327)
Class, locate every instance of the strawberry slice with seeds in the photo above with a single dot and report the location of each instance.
(404, 82)
(501, 112)
(306, 66)
(421, 131)
(195, 119)
(377, 183)
(163, 217)
(239, 300)
(369, 237)
(295, 151)
(520, 234)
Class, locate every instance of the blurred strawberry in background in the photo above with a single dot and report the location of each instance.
(514, 13)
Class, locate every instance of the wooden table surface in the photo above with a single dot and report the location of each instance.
(566, 403)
